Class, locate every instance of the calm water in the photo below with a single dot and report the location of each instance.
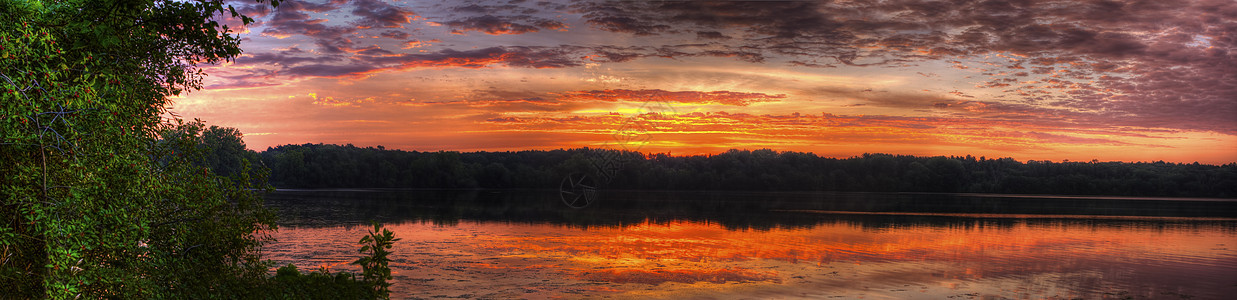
(528, 244)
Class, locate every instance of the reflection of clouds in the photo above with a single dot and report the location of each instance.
(1034, 259)
(983, 252)
(656, 277)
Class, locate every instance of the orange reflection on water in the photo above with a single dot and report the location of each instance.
(655, 277)
(675, 259)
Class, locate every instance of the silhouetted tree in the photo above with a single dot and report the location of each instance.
(325, 166)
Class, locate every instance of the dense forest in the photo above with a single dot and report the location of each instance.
(335, 166)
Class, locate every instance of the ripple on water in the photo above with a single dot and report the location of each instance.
(691, 259)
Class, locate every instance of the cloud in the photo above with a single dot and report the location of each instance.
(395, 34)
(686, 97)
(711, 35)
(332, 102)
(257, 10)
(336, 45)
(329, 71)
(1176, 58)
(510, 18)
(623, 17)
(523, 57)
(627, 25)
(283, 58)
(519, 95)
(510, 8)
(612, 53)
(496, 25)
(566, 101)
(290, 19)
(1064, 139)
(372, 50)
(528, 57)
(241, 84)
(729, 130)
(380, 14)
(409, 44)
(326, 6)
(774, 27)
(1140, 64)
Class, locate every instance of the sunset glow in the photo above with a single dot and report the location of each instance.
(680, 259)
(1112, 81)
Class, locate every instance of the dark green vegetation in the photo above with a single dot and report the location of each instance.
(101, 197)
(375, 267)
(290, 283)
(325, 166)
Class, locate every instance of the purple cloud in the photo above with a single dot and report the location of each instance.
(503, 25)
(1142, 63)
(380, 14)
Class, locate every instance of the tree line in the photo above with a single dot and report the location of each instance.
(348, 166)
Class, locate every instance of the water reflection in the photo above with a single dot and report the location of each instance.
(735, 210)
(463, 247)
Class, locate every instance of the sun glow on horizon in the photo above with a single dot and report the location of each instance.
(552, 75)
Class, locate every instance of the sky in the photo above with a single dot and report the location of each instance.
(1033, 80)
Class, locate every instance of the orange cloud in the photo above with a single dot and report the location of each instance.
(686, 97)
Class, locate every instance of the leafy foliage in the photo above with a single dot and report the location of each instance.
(318, 165)
(226, 154)
(290, 283)
(375, 268)
(101, 197)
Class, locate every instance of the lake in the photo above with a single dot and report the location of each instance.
(643, 244)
